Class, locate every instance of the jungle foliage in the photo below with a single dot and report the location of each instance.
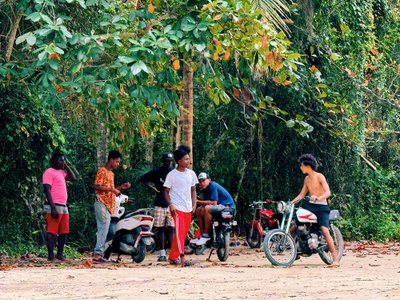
(80, 71)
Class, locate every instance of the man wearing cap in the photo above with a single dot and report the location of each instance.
(216, 198)
(162, 216)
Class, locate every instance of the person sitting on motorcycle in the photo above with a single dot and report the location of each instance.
(216, 198)
(317, 187)
(162, 214)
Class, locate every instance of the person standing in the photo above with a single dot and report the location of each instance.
(104, 205)
(162, 214)
(57, 216)
(180, 193)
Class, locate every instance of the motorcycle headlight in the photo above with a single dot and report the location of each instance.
(281, 207)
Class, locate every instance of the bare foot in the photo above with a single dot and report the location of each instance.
(334, 264)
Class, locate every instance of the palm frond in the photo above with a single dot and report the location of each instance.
(277, 11)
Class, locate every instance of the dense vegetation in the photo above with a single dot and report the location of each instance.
(89, 76)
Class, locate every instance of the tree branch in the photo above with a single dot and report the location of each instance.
(12, 37)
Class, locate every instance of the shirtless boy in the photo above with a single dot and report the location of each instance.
(317, 187)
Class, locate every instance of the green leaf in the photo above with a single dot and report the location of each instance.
(21, 38)
(290, 123)
(200, 47)
(64, 30)
(75, 68)
(138, 67)
(31, 39)
(188, 24)
(126, 59)
(34, 17)
(164, 43)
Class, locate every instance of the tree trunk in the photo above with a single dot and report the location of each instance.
(12, 37)
(308, 9)
(102, 145)
(187, 113)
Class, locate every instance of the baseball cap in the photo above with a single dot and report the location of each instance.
(167, 156)
(203, 175)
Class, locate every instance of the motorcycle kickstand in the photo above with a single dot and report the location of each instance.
(212, 249)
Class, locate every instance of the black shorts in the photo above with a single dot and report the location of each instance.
(321, 211)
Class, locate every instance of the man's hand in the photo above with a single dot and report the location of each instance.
(194, 209)
(54, 213)
(172, 209)
(125, 186)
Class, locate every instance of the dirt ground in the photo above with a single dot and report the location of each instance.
(368, 271)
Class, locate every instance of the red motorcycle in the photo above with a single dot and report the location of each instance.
(263, 220)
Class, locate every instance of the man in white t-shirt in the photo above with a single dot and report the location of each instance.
(180, 193)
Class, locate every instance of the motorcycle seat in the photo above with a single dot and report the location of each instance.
(334, 215)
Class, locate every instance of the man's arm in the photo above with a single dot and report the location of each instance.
(168, 199)
(148, 178)
(302, 194)
(70, 174)
(54, 212)
(206, 202)
(98, 187)
(194, 198)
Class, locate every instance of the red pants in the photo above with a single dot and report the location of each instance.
(182, 224)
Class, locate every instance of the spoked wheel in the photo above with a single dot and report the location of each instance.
(337, 237)
(140, 254)
(279, 248)
(223, 246)
(253, 237)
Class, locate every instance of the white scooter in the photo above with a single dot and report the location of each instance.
(130, 232)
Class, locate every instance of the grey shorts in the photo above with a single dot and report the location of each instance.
(216, 208)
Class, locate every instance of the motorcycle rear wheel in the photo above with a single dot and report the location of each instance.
(138, 257)
(253, 237)
(223, 249)
(337, 237)
(279, 248)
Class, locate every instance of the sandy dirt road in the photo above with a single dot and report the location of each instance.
(366, 273)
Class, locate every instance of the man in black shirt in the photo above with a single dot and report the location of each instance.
(162, 215)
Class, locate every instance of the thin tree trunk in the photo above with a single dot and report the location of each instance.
(260, 142)
(102, 145)
(12, 37)
(188, 105)
(178, 130)
(308, 9)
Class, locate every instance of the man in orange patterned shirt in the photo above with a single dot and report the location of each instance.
(105, 201)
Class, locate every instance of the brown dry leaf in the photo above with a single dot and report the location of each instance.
(227, 54)
(313, 68)
(350, 72)
(150, 8)
(375, 51)
(365, 83)
(270, 57)
(264, 42)
(398, 69)
(176, 65)
(236, 92)
(278, 66)
(216, 42)
(215, 56)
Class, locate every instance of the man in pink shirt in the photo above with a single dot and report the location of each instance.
(57, 217)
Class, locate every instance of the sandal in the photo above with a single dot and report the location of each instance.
(99, 260)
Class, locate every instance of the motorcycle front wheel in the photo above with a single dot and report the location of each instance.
(279, 248)
(253, 237)
(138, 257)
(223, 247)
(337, 237)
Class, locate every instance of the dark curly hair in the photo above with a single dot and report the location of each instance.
(309, 160)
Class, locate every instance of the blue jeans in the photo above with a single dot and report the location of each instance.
(103, 218)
